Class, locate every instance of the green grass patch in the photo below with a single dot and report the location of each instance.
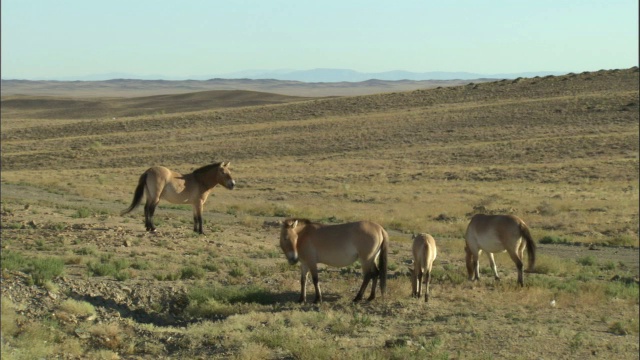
(12, 260)
(45, 269)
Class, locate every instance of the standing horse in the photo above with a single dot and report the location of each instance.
(161, 183)
(424, 252)
(494, 234)
(336, 245)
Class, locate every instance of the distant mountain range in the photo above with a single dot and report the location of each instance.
(315, 76)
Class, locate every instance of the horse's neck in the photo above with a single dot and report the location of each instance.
(206, 182)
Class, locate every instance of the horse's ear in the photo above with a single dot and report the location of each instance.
(226, 164)
(295, 223)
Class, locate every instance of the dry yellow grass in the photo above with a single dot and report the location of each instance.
(560, 152)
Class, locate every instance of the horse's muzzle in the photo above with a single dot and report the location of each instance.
(293, 260)
(231, 184)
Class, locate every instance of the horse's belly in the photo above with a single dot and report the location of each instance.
(491, 244)
(338, 258)
(176, 195)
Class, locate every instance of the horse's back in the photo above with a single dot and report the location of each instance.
(361, 239)
(424, 250)
(161, 172)
(492, 233)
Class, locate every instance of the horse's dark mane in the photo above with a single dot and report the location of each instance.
(206, 168)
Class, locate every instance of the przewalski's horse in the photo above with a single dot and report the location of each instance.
(336, 245)
(161, 183)
(424, 252)
(494, 234)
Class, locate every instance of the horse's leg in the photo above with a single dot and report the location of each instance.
(476, 267)
(469, 258)
(414, 281)
(492, 262)
(420, 275)
(314, 277)
(375, 274)
(374, 283)
(518, 261)
(149, 210)
(427, 281)
(363, 287)
(197, 216)
(304, 270)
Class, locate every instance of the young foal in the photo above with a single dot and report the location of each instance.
(336, 245)
(158, 182)
(494, 234)
(424, 252)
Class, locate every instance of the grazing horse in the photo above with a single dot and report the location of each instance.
(336, 245)
(424, 252)
(494, 234)
(161, 183)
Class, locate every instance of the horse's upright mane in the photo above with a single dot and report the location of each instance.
(305, 221)
(206, 168)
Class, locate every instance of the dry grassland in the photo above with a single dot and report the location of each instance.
(560, 152)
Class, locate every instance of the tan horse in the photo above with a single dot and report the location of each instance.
(494, 234)
(336, 245)
(161, 183)
(424, 252)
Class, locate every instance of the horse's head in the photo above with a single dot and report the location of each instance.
(223, 176)
(289, 239)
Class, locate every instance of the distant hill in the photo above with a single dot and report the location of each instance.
(134, 88)
(339, 75)
(49, 107)
(319, 75)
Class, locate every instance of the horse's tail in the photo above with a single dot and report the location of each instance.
(383, 262)
(531, 245)
(137, 194)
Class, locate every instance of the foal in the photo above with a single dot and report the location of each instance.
(424, 252)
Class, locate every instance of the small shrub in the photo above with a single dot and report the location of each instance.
(12, 260)
(230, 294)
(9, 318)
(236, 272)
(77, 308)
(141, 265)
(45, 269)
(86, 251)
(587, 260)
(81, 213)
(211, 267)
(546, 209)
(623, 240)
(618, 328)
(191, 272)
(554, 240)
(123, 275)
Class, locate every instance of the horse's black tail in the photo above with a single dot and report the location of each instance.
(137, 194)
(531, 245)
(383, 261)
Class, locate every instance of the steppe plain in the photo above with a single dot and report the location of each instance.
(79, 281)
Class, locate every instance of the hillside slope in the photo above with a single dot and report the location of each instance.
(44, 107)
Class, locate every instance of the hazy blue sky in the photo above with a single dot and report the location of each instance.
(59, 38)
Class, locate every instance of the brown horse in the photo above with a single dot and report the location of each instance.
(424, 252)
(161, 183)
(336, 245)
(494, 234)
